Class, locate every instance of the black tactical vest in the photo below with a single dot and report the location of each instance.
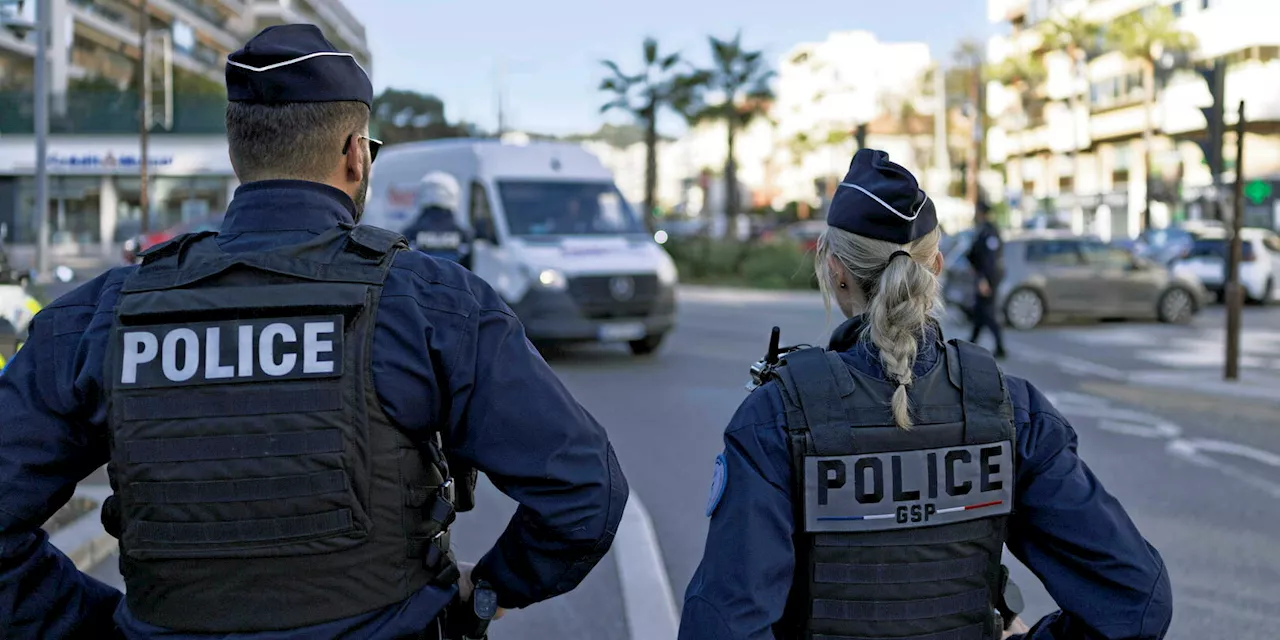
(258, 483)
(898, 532)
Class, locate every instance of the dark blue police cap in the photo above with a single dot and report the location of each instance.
(295, 63)
(879, 199)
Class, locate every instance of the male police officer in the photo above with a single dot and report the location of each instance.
(280, 402)
(986, 256)
(436, 232)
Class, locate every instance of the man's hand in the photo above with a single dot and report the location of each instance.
(465, 586)
(1017, 627)
(984, 288)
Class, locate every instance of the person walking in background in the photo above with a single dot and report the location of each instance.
(986, 256)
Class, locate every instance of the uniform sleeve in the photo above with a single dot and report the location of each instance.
(46, 446)
(741, 586)
(515, 421)
(1110, 582)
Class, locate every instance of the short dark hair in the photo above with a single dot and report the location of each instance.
(296, 140)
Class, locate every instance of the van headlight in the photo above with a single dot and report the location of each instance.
(667, 272)
(550, 279)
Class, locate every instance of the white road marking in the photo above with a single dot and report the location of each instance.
(1070, 364)
(1194, 450)
(647, 598)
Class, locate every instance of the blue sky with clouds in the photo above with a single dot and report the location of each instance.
(552, 48)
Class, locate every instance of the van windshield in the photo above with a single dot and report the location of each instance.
(566, 208)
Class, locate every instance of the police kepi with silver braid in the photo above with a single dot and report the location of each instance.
(880, 199)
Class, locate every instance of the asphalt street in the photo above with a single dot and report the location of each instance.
(1199, 470)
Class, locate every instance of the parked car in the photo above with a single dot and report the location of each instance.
(1057, 274)
(139, 243)
(806, 233)
(1259, 262)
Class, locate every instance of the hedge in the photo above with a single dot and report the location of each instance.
(767, 265)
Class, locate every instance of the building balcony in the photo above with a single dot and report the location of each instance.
(330, 15)
(99, 112)
(204, 21)
(1179, 109)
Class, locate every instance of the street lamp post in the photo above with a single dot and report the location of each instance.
(41, 100)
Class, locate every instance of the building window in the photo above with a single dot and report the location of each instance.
(1204, 5)
(1177, 9)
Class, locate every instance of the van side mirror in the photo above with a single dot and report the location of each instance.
(485, 230)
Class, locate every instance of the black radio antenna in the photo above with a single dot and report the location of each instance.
(772, 356)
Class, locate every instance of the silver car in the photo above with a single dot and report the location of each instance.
(1056, 274)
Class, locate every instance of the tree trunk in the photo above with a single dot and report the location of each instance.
(972, 160)
(1148, 135)
(651, 163)
(730, 176)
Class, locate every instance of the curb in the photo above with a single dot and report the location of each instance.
(647, 599)
(84, 541)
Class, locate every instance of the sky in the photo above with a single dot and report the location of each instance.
(551, 49)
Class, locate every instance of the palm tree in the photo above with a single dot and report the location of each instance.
(1079, 38)
(1147, 36)
(643, 95)
(740, 80)
(964, 82)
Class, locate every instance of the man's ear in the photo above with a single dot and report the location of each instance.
(354, 161)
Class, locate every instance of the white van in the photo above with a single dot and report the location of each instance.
(554, 237)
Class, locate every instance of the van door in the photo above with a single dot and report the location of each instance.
(489, 259)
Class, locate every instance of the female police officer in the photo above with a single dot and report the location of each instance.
(865, 491)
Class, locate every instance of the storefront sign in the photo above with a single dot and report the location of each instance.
(118, 155)
(108, 161)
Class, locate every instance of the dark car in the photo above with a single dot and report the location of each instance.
(139, 243)
(1059, 274)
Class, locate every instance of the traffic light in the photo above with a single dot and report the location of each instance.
(1211, 144)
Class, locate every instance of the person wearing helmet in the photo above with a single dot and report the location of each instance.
(436, 232)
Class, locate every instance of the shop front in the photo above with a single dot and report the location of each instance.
(95, 188)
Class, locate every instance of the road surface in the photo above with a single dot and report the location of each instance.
(1199, 471)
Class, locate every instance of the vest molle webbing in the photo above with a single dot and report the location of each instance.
(258, 483)
(899, 532)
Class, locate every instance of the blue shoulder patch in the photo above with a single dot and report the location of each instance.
(718, 480)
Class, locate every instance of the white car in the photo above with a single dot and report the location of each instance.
(1259, 267)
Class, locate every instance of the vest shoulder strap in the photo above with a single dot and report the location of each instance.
(173, 245)
(988, 414)
(376, 240)
(816, 382)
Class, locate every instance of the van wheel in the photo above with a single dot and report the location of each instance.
(646, 345)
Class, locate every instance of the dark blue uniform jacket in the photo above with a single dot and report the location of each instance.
(1110, 583)
(446, 351)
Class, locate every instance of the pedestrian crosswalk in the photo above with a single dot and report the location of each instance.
(1181, 347)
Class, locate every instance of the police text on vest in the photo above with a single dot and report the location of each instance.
(905, 489)
(230, 351)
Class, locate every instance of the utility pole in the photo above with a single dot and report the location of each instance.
(1235, 296)
(144, 119)
(42, 137)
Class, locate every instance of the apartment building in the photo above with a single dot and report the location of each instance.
(93, 153)
(1072, 147)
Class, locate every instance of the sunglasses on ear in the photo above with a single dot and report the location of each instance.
(374, 146)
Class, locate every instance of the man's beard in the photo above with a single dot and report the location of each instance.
(363, 192)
